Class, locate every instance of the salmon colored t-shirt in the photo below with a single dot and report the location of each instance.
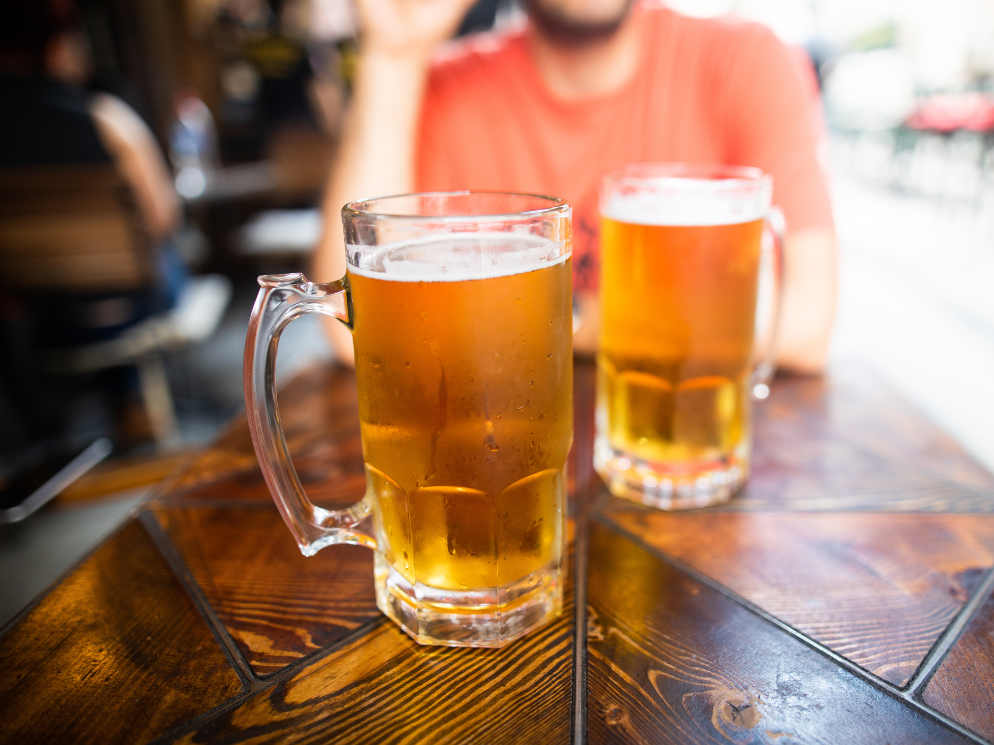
(712, 91)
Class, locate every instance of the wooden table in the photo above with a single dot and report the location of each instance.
(844, 597)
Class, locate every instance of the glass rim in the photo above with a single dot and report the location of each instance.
(557, 206)
(719, 174)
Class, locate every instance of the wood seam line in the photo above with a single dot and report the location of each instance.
(221, 709)
(878, 683)
(175, 562)
(125, 522)
(947, 640)
(580, 631)
(265, 685)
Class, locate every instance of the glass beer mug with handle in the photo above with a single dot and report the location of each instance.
(460, 307)
(691, 259)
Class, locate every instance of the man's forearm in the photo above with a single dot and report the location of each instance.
(376, 156)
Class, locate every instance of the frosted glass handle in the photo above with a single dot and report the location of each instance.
(772, 258)
(283, 298)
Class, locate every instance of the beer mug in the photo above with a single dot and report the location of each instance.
(680, 358)
(460, 307)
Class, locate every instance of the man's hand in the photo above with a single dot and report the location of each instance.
(408, 29)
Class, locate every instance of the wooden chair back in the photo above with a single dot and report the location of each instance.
(70, 228)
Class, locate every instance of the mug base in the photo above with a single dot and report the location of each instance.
(666, 487)
(491, 617)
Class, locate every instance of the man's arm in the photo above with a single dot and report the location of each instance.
(769, 107)
(807, 306)
(376, 154)
(137, 156)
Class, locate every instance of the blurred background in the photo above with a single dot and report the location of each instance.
(127, 273)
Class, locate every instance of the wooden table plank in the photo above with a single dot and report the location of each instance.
(852, 403)
(877, 589)
(319, 410)
(116, 652)
(671, 660)
(277, 605)
(383, 688)
(799, 470)
(963, 686)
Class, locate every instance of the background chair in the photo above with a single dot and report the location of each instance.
(72, 249)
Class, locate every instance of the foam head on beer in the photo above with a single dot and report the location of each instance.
(459, 257)
(682, 202)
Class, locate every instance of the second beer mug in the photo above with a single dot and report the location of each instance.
(460, 307)
(680, 359)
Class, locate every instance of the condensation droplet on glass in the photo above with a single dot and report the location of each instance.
(522, 407)
(434, 348)
(407, 365)
(548, 356)
(489, 439)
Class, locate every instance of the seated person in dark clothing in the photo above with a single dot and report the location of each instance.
(51, 128)
(48, 119)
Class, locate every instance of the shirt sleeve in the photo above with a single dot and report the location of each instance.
(773, 126)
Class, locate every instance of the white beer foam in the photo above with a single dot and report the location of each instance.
(684, 203)
(456, 258)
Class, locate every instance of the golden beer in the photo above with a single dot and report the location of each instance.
(465, 404)
(678, 312)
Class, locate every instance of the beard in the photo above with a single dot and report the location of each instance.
(565, 30)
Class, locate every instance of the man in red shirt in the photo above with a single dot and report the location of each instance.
(584, 87)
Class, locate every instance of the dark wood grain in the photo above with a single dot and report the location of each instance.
(878, 589)
(963, 686)
(671, 660)
(117, 652)
(277, 605)
(383, 688)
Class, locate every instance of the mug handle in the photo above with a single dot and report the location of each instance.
(773, 253)
(283, 298)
